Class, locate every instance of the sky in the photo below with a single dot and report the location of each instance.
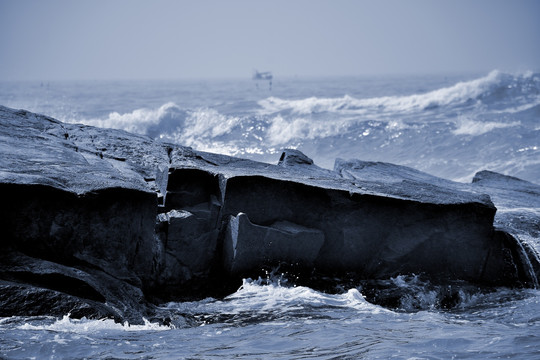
(166, 39)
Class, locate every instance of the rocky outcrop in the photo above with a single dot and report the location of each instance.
(518, 215)
(104, 223)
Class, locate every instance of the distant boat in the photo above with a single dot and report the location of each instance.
(265, 75)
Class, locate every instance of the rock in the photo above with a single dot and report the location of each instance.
(33, 286)
(249, 247)
(88, 159)
(292, 157)
(30, 300)
(405, 182)
(377, 236)
(518, 214)
(191, 187)
(188, 232)
(69, 204)
(110, 229)
(517, 201)
(109, 223)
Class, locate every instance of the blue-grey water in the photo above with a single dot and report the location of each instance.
(449, 126)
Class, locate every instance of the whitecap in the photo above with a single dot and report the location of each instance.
(470, 126)
(282, 130)
(209, 122)
(138, 121)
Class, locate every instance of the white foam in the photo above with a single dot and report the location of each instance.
(284, 130)
(200, 129)
(208, 130)
(67, 324)
(456, 94)
(469, 126)
(520, 210)
(209, 123)
(256, 297)
(137, 121)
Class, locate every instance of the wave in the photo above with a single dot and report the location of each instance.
(470, 126)
(283, 130)
(495, 87)
(141, 121)
(257, 295)
(279, 122)
(169, 122)
(262, 300)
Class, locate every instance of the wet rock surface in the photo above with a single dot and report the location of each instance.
(103, 223)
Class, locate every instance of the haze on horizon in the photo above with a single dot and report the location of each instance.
(166, 39)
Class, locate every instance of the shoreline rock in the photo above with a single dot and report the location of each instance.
(110, 223)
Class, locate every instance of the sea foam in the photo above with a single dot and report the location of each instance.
(468, 126)
(68, 324)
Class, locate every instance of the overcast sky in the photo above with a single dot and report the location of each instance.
(131, 39)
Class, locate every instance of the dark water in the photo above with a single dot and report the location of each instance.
(450, 126)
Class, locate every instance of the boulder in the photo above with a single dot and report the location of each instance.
(378, 236)
(33, 286)
(292, 157)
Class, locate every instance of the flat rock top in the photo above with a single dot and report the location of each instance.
(37, 149)
(509, 191)
(397, 182)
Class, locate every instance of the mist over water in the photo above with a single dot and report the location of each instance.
(449, 126)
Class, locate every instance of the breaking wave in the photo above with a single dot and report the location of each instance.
(494, 87)
(141, 121)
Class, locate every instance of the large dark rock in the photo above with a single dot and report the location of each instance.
(378, 236)
(107, 228)
(517, 201)
(33, 286)
(103, 223)
(79, 198)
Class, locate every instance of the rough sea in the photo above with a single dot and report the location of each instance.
(450, 126)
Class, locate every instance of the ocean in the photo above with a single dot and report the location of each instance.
(448, 125)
